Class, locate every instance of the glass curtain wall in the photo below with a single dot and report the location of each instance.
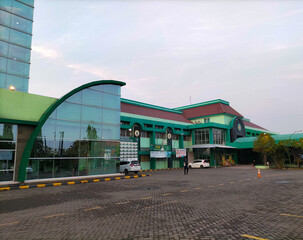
(81, 137)
(8, 138)
(16, 20)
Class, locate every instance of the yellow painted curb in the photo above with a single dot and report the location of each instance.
(40, 185)
(96, 180)
(127, 177)
(84, 181)
(107, 179)
(143, 175)
(70, 183)
(24, 187)
(57, 184)
(5, 188)
(135, 176)
(117, 178)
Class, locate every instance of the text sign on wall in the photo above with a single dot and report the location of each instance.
(180, 153)
(160, 154)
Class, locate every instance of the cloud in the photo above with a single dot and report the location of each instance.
(45, 52)
(99, 72)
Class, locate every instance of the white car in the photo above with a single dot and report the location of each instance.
(129, 166)
(199, 163)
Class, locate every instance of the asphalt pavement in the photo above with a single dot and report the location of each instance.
(215, 203)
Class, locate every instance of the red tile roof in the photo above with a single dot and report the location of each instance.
(210, 109)
(250, 124)
(150, 112)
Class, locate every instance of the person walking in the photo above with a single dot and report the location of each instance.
(185, 166)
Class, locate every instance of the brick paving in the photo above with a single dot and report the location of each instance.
(222, 203)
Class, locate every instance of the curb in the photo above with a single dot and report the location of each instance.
(54, 184)
(155, 170)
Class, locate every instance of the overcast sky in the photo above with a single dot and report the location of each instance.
(249, 53)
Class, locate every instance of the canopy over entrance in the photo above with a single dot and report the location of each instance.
(209, 146)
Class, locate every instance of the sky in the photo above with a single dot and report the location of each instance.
(176, 53)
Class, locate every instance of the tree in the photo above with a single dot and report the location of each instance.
(296, 147)
(264, 144)
(277, 152)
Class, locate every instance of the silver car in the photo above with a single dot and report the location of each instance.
(129, 166)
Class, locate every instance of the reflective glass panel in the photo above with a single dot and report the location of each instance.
(20, 38)
(19, 68)
(90, 131)
(21, 24)
(45, 147)
(113, 89)
(19, 53)
(22, 10)
(75, 98)
(110, 132)
(67, 129)
(28, 2)
(111, 101)
(4, 33)
(91, 114)
(91, 148)
(91, 97)
(6, 5)
(20, 83)
(8, 132)
(2, 80)
(49, 129)
(69, 111)
(3, 48)
(111, 116)
(68, 148)
(3, 64)
(7, 145)
(5, 18)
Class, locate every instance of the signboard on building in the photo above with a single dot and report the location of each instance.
(180, 153)
(160, 154)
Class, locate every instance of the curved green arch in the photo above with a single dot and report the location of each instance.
(29, 145)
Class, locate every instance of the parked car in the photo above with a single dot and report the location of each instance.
(129, 166)
(199, 163)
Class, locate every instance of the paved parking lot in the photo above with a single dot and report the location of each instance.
(222, 203)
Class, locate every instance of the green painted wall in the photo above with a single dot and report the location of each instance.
(187, 143)
(162, 164)
(145, 165)
(175, 144)
(144, 142)
(23, 106)
(221, 118)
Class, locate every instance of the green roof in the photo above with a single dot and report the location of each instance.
(248, 142)
(21, 107)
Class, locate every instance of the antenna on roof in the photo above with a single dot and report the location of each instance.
(190, 100)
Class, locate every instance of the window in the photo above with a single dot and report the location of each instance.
(148, 125)
(145, 134)
(160, 135)
(178, 129)
(159, 127)
(219, 136)
(206, 120)
(124, 123)
(187, 138)
(202, 136)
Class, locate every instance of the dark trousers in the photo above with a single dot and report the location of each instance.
(185, 170)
